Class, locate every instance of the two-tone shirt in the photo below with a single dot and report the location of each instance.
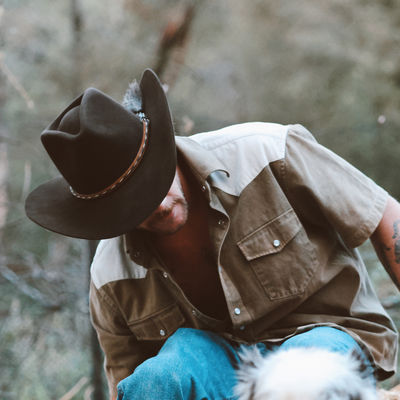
(285, 217)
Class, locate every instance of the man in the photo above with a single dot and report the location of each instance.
(245, 235)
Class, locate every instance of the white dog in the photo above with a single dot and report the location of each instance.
(303, 374)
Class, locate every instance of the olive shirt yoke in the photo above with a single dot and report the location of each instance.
(285, 216)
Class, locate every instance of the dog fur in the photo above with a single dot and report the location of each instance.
(304, 374)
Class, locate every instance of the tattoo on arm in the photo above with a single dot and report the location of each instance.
(396, 228)
(385, 261)
(397, 243)
(397, 251)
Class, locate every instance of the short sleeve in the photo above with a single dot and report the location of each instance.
(325, 189)
(123, 353)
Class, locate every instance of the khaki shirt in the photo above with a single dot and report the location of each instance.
(285, 217)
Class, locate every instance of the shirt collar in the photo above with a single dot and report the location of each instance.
(201, 162)
(135, 246)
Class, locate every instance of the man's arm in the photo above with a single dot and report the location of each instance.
(112, 397)
(386, 240)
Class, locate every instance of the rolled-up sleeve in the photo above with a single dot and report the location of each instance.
(327, 190)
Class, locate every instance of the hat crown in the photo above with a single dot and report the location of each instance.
(93, 142)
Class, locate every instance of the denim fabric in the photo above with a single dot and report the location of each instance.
(198, 365)
(323, 337)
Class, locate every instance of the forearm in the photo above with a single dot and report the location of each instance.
(386, 240)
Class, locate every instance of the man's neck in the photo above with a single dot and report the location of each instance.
(196, 225)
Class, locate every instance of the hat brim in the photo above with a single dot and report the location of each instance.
(54, 207)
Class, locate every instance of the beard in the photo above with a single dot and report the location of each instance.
(171, 219)
(163, 223)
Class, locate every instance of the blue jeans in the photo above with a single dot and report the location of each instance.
(198, 365)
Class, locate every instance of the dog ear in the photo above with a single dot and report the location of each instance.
(252, 391)
(250, 357)
(248, 373)
(246, 387)
(362, 366)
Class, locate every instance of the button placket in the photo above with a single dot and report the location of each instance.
(239, 314)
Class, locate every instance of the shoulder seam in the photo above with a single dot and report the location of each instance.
(238, 138)
(108, 300)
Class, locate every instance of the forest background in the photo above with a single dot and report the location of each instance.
(331, 65)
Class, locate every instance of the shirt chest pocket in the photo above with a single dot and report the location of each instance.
(281, 255)
(159, 325)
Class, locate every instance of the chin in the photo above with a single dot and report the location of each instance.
(304, 374)
(178, 222)
(172, 230)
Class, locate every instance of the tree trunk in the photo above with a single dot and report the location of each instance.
(76, 53)
(3, 186)
(174, 43)
(97, 359)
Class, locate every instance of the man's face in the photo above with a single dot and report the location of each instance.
(171, 215)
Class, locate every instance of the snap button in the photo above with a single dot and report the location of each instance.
(194, 312)
(165, 275)
(203, 188)
(237, 311)
(162, 333)
(221, 223)
(136, 254)
(276, 243)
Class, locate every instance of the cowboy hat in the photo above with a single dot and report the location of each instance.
(116, 165)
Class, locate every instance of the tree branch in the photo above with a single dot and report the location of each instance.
(174, 43)
(28, 290)
(14, 81)
(71, 393)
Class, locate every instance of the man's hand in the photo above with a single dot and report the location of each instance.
(386, 240)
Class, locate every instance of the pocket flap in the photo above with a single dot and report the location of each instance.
(160, 325)
(271, 237)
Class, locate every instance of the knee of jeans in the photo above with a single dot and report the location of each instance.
(323, 337)
(188, 334)
(190, 343)
(154, 376)
(159, 370)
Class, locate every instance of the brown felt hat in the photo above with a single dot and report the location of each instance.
(116, 166)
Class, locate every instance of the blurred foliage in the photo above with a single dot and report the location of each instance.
(332, 66)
